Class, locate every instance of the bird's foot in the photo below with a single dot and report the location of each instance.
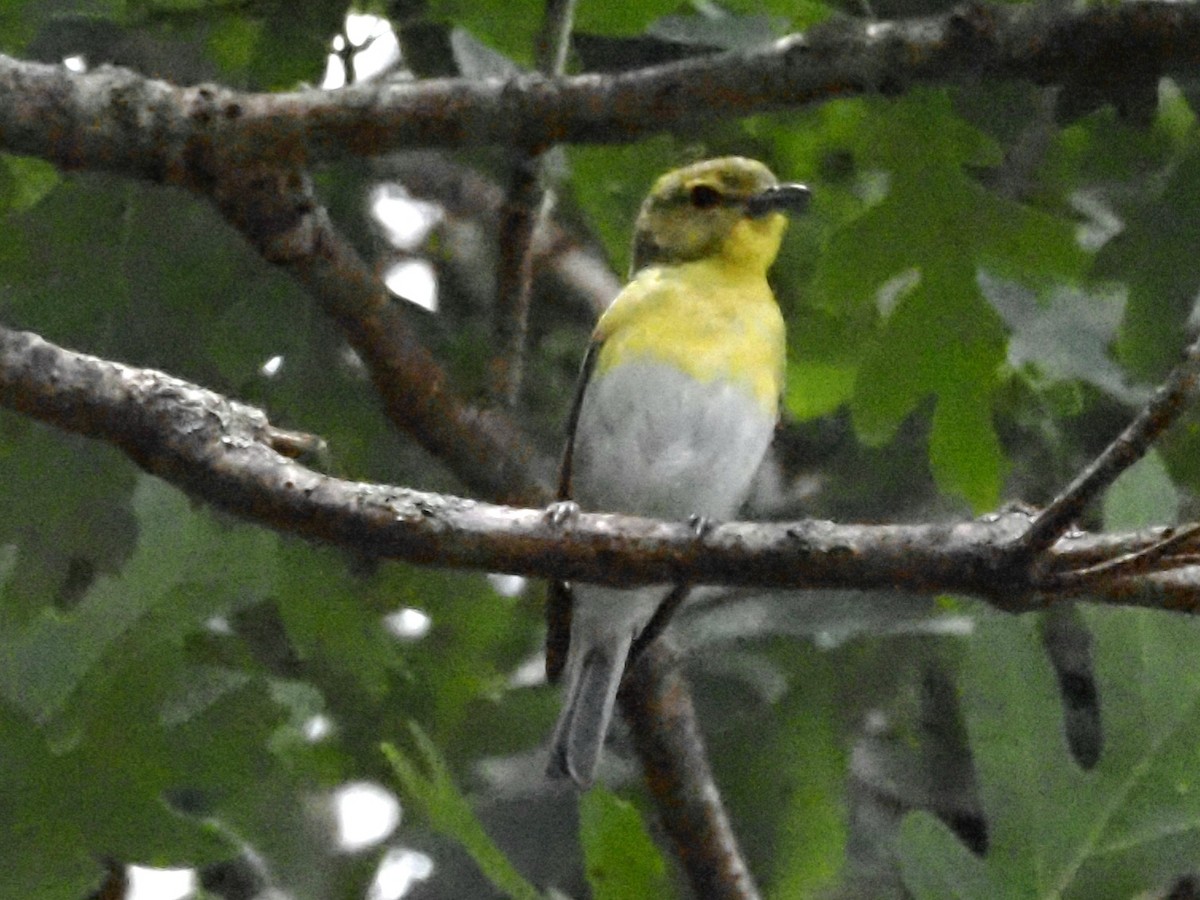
(561, 512)
(700, 525)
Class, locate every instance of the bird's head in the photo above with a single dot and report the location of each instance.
(729, 207)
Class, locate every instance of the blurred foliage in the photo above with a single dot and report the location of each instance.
(1055, 829)
(978, 302)
(621, 859)
(426, 780)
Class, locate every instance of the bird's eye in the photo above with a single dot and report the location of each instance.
(705, 197)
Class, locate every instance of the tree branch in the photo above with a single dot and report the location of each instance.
(275, 209)
(576, 275)
(656, 702)
(223, 452)
(520, 216)
(524, 211)
(112, 119)
(1128, 447)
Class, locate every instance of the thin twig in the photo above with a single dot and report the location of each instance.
(524, 213)
(554, 39)
(659, 621)
(295, 444)
(1140, 562)
(1126, 449)
(520, 216)
(575, 273)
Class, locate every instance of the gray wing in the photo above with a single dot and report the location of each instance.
(559, 599)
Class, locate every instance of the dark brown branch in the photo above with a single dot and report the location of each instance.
(1146, 561)
(658, 706)
(111, 119)
(522, 214)
(519, 218)
(277, 213)
(220, 451)
(657, 703)
(1127, 448)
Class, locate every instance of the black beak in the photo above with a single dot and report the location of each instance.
(784, 198)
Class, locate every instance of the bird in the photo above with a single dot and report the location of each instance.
(677, 402)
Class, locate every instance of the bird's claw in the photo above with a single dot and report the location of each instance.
(700, 525)
(561, 512)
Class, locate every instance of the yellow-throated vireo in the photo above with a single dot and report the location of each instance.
(677, 402)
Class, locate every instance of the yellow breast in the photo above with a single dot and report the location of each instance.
(707, 318)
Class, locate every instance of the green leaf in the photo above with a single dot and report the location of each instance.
(326, 619)
(816, 388)
(945, 872)
(117, 719)
(622, 861)
(49, 280)
(1105, 147)
(17, 25)
(26, 181)
(234, 41)
(425, 780)
(914, 259)
(824, 354)
(456, 675)
(621, 18)
(274, 44)
(964, 449)
(510, 28)
(43, 854)
(1054, 830)
(178, 288)
(1156, 257)
(84, 524)
(1180, 449)
(801, 761)
(42, 664)
(1142, 496)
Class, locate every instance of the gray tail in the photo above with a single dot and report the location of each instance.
(583, 723)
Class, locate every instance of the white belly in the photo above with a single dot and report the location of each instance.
(653, 441)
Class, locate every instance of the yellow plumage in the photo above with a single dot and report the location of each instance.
(677, 404)
(706, 318)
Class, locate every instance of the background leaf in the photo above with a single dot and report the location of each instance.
(1056, 830)
(425, 778)
(622, 861)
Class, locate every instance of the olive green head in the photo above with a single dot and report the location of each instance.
(729, 207)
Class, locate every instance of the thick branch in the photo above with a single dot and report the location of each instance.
(223, 452)
(111, 119)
